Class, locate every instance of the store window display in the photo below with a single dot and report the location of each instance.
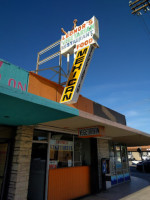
(68, 151)
(119, 168)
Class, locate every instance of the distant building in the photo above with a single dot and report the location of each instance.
(133, 154)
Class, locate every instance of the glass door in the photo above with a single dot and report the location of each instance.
(37, 179)
(3, 167)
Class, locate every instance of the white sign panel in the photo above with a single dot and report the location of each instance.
(80, 37)
(81, 42)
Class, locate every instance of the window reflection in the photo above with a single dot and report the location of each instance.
(67, 151)
(40, 135)
(118, 159)
(61, 153)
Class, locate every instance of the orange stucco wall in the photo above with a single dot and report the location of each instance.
(43, 87)
(68, 183)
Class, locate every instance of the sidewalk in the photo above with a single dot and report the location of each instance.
(137, 189)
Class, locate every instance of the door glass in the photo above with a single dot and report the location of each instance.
(82, 152)
(118, 159)
(3, 156)
(124, 159)
(112, 159)
(36, 189)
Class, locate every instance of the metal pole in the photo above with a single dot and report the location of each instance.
(60, 65)
(68, 64)
(37, 66)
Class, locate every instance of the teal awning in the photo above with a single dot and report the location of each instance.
(22, 108)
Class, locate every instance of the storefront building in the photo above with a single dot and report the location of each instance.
(42, 156)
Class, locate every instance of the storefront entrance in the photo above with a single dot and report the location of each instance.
(3, 167)
(63, 166)
(37, 179)
(6, 144)
(71, 166)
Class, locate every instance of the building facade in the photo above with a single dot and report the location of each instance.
(41, 153)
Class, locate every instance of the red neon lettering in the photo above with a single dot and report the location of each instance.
(78, 46)
(19, 84)
(75, 30)
(90, 40)
(9, 82)
(86, 42)
(79, 29)
(71, 33)
(82, 44)
(1, 62)
(90, 21)
(83, 26)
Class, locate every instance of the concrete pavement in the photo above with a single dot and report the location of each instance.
(137, 189)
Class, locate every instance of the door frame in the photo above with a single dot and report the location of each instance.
(7, 170)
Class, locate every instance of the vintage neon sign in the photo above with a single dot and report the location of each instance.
(81, 42)
(77, 75)
(80, 37)
(13, 76)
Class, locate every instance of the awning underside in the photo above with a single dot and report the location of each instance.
(22, 108)
(114, 131)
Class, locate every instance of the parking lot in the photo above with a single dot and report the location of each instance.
(135, 173)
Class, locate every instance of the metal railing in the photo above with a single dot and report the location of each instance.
(56, 69)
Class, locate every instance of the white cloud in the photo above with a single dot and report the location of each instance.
(131, 113)
(141, 123)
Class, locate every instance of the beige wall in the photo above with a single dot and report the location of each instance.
(18, 186)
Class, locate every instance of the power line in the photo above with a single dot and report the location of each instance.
(146, 27)
(137, 7)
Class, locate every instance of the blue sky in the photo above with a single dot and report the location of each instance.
(119, 73)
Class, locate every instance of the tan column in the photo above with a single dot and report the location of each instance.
(18, 187)
(103, 152)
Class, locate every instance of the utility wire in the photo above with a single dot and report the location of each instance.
(145, 25)
(147, 28)
(148, 13)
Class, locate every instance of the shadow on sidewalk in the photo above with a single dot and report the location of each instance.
(137, 189)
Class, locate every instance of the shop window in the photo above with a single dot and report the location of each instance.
(112, 159)
(67, 151)
(118, 159)
(124, 157)
(119, 168)
(40, 135)
(61, 150)
(82, 152)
